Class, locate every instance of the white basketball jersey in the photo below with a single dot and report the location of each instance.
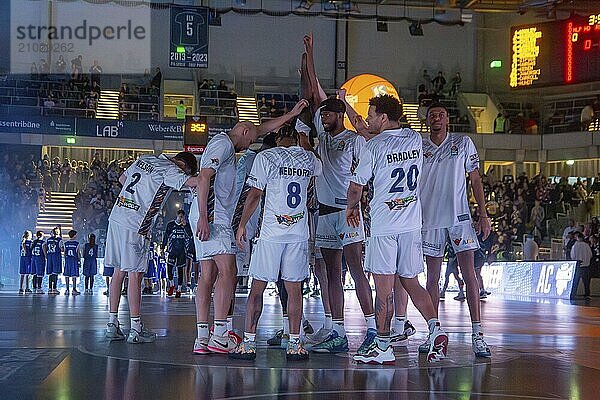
(393, 160)
(443, 183)
(284, 174)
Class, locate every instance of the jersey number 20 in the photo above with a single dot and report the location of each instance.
(400, 174)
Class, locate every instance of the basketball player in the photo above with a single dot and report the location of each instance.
(72, 255)
(54, 259)
(213, 214)
(446, 216)
(282, 175)
(339, 150)
(146, 184)
(38, 261)
(25, 262)
(90, 263)
(390, 165)
(175, 240)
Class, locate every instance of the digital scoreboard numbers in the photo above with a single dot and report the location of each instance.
(195, 134)
(556, 53)
(189, 37)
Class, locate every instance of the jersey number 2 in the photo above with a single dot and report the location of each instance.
(134, 181)
(411, 179)
(293, 198)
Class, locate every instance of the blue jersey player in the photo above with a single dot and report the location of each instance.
(54, 259)
(71, 247)
(25, 262)
(90, 263)
(38, 261)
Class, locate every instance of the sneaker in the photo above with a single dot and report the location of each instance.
(398, 338)
(235, 337)
(221, 344)
(114, 332)
(460, 297)
(28, 291)
(201, 346)
(409, 329)
(424, 347)
(66, 292)
(76, 292)
(244, 351)
(170, 291)
(439, 345)
(319, 336)
(276, 339)
(145, 336)
(482, 295)
(442, 296)
(178, 294)
(21, 291)
(369, 338)
(105, 293)
(307, 328)
(124, 292)
(374, 355)
(295, 351)
(39, 291)
(480, 347)
(333, 344)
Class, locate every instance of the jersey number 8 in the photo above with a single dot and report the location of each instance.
(293, 198)
(411, 179)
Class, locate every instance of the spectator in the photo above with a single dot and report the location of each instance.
(204, 85)
(95, 72)
(156, 79)
(76, 68)
(222, 86)
(596, 185)
(426, 80)
(455, 85)
(596, 108)
(530, 249)
(582, 253)
(517, 124)
(587, 114)
(61, 65)
(49, 103)
(181, 110)
(65, 173)
(438, 83)
(33, 70)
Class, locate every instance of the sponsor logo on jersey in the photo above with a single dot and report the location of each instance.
(215, 161)
(457, 241)
(428, 154)
(349, 235)
(463, 217)
(289, 220)
(127, 203)
(341, 145)
(401, 202)
(468, 241)
(327, 238)
(454, 150)
(474, 157)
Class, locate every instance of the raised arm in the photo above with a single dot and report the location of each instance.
(316, 90)
(355, 118)
(276, 123)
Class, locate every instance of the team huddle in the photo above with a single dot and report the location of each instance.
(303, 203)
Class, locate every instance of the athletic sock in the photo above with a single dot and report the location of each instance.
(202, 328)
(286, 325)
(220, 327)
(399, 324)
(230, 322)
(136, 323)
(249, 337)
(477, 329)
(294, 337)
(328, 324)
(382, 341)
(338, 326)
(113, 318)
(370, 319)
(432, 324)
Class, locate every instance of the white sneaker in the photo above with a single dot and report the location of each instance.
(480, 347)
(317, 337)
(439, 345)
(145, 336)
(374, 355)
(201, 346)
(114, 332)
(221, 344)
(398, 338)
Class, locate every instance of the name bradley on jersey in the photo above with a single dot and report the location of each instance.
(402, 156)
(291, 171)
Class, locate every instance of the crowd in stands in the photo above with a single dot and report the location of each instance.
(273, 105)
(140, 100)
(523, 207)
(97, 191)
(517, 119)
(217, 99)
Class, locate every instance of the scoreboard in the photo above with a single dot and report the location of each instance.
(555, 53)
(195, 134)
(189, 37)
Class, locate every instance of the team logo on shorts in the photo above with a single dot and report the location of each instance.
(127, 203)
(400, 203)
(348, 235)
(289, 220)
(457, 241)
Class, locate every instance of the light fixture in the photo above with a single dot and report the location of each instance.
(415, 28)
(570, 162)
(496, 64)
